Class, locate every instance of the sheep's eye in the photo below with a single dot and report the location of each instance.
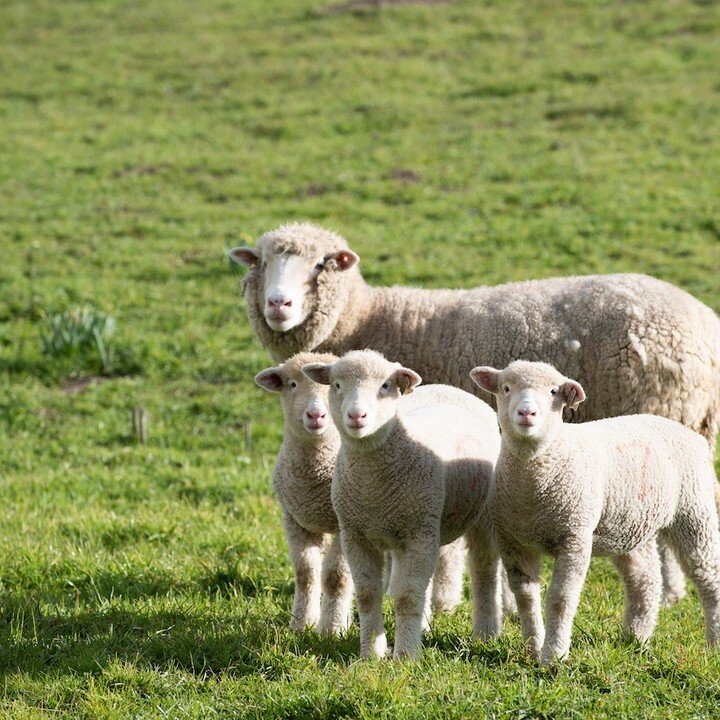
(292, 384)
(320, 264)
(506, 389)
(554, 391)
(337, 385)
(386, 385)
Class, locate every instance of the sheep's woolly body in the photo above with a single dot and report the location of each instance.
(420, 481)
(607, 487)
(637, 344)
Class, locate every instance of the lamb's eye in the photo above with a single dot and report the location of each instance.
(506, 389)
(337, 385)
(319, 265)
(554, 391)
(386, 385)
(292, 384)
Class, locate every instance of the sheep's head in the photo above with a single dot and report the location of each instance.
(297, 285)
(364, 390)
(304, 402)
(530, 397)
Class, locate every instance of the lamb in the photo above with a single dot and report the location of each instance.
(607, 487)
(639, 345)
(410, 477)
(301, 480)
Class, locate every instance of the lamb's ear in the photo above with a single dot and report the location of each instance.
(317, 372)
(270, 379)
(572, 393)
(406, 380)
(345, 259)
(486, 378)
(247, 256)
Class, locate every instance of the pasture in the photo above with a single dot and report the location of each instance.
(453, 144)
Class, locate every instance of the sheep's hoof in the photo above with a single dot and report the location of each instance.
(672, 597)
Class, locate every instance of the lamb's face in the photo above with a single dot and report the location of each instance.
(364, 390)
(304, 402)
(530, 396)
(289, 268)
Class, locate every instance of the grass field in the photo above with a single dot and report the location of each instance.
(453, 144)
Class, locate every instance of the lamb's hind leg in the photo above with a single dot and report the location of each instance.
(697, 541)
(306, 555)
(447, 585)
(640, 571)
(337, 586)
(673, 578)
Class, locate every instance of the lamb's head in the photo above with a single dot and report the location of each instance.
(297, 286)
(530, 397)
(304, 402)
(364, 390)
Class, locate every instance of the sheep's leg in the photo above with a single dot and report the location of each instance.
(447, 586)
(697, 541)
(486, 583)
(415, 566)
(523, 573)
(337, 586)
(562, 600)
(640, 571)
(366, 566)
(509, 606)
(673, 578)
(306, 554)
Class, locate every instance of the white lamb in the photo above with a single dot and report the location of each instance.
(607, 487)
(301, 480)
(412, 474)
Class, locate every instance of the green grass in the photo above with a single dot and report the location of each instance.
(453, 144)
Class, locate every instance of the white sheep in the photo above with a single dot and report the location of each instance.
(413, 473)
(607, 487)
(301, 480)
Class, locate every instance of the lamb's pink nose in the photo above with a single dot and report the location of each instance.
(526, 413)
(315, 414)
(279, 302)
(356, 415)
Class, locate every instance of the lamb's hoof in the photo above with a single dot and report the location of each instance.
(300, 624)
(672, 597)
(551, 658)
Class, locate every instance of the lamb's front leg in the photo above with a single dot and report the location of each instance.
(563, 595)
(306, 550)
(337, 586)
(523, 573)
(486, 584)
(366, 566)
(415, 565)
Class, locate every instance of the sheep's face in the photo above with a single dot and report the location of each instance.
(364, 390)
(530, 396)
(293, 283)
(304, 402)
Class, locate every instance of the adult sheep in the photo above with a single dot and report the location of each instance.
(637, 344)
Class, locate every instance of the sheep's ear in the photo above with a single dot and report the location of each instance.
(406, 380)
(270, 379)
(249, 257)
(345, 259)
(572, 393)
(317, 372)
(486, 378)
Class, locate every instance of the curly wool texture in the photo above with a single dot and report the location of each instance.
(607, 487)
(420, 481)
(637, 344)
